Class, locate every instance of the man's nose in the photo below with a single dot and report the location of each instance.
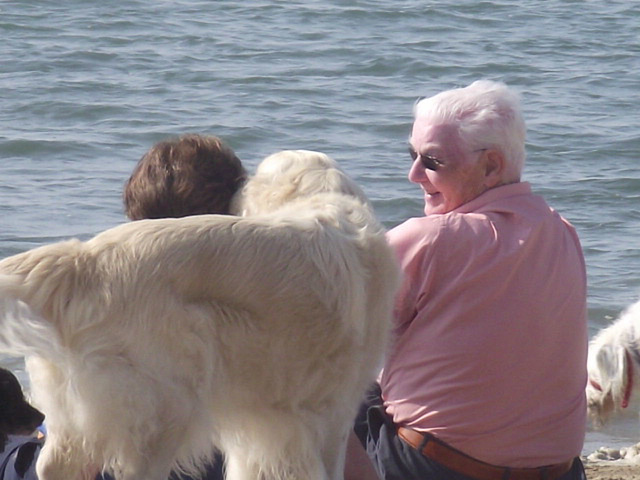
(417, 173)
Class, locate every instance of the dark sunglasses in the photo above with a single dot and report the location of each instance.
(429, 162)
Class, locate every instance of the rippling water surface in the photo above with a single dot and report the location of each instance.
(87, 87)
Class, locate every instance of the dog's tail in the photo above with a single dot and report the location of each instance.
(22, 331)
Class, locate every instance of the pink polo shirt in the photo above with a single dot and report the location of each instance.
(491, 325)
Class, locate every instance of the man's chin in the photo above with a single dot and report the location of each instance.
(433, 204)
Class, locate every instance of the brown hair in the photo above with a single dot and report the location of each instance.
(189, 175)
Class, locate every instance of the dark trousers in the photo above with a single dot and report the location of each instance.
(394, 459)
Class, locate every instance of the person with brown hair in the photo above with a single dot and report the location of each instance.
(187, 175)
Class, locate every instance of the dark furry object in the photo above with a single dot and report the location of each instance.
(16, 415)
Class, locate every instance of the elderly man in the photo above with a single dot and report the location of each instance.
(486, 376)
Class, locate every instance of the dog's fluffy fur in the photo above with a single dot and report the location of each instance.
(614, 367)
(159, 339)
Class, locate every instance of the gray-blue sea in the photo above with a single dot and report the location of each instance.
(87, 87)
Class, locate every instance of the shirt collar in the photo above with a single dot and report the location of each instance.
(493, 194)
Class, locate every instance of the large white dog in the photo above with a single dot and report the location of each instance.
(157, 340)
(614, 367)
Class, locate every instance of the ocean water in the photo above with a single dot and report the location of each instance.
(87, 87)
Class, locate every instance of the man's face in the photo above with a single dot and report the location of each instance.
(459, 175)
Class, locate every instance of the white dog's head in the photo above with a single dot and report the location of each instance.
(612, 364)
(290, 174)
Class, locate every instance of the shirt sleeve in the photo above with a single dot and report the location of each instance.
(412, 244)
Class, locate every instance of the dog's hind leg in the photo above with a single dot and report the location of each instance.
(274, 446)
(151, 472)
(334, 448)
(239, 467)
(60, 460)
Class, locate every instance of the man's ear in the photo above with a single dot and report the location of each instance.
(494, 168)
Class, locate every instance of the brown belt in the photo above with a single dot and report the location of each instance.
(457, 461)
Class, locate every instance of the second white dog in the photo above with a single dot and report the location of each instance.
(157, 340)
(614, 367)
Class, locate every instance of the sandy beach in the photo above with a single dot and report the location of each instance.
(613, 463)
(615, 470)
